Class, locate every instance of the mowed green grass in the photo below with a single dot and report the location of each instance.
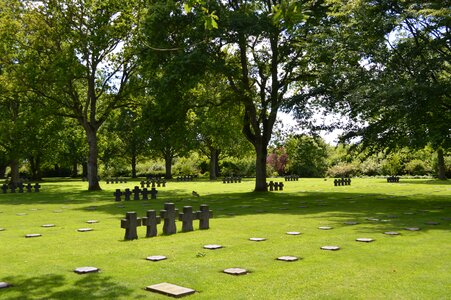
(413, 265)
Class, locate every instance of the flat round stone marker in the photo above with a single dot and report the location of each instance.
(351, 223)
(432, 223)
(2, 229)
(92, 221)
(48, 225)
(212, 247)
(156, 258)
(256, 239)
(4, 285)
(325, 227)
(391, 233)
(365, 240)
(235, 271)
(412, 228)
(85, 270)
(21, 214)
(170, 289)
(293, 233)
(331, 248)
(288, 258)
(84, 229)
(32, 235)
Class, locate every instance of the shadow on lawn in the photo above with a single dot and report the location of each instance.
(90, 286)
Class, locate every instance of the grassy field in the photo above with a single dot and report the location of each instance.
(412, 265)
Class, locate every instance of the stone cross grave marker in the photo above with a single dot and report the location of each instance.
(145, 194)
(37, 186)
(5, 188)
(271, 186)
(204, 216)
(127, 194)
(153, 193)
(150, 221)
(21, 186)
(130, 224)
(187, 217)
(169, 214)
(117, 194)
(136, 193)
(29, 187)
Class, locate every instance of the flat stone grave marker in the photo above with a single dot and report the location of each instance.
(32, 235)
(293, 233)
(85, 270)
(325, 227)
(58, 211)
(21, 214)
(373, 219)
(156, 257)
(4, 285)
(2, 229)
(412, 228)
(235, 271)
(288, 258)
(92, 221)
(303, 206)
(351, 223)
(170, 289)
(446, 218)
(331, 248)
(432, 223)
(365, 240)
(84, 229)
(212, 247)
(409, 213)
(48, 225)
(391, 233)
(256, 239)
(92, 208)
(34, 209)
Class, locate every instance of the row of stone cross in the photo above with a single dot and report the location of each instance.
(169, 215)
(392, 179)
(153, 182)
(115, 180)
(20, 187)
(342, 181)
(275, 186)
(231, 179)
(292, 178)
(185, 178)
(136, 194)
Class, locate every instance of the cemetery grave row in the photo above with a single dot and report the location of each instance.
(392, 179)
(275, 186)
(169, 215)
(136, 194)
(231, 179)
(292, 178)
(20, 187)
(116, 180)
(342, 182)
(186, 178)
(154, 182)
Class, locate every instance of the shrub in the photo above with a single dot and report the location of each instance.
(343, 170)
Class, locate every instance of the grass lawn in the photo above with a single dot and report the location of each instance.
(411, 265)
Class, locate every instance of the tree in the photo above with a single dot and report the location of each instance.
(307, 156)
(79, 59)
(394, 81)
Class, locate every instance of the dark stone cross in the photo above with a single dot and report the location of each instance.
(136, 193)
(276, 186)
(187, 217)
(142, 184)
(117, 194)
(130, 223)
(281, 186)
(145, 194)
(150, 221)
(204, 216)
(271, 186)
(37, 187)
(5, 188)
(13, 188)
(169, 214)
(127, 194)
(29, 187)
(153, 193)
(21, 187)
(107, 181)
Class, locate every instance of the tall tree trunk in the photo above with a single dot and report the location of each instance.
(93, 175)
(84, 169)
(35, 166)
(168, 166)
(217, 163)
(213, 162)
(441, 164)
(133, 165)
(260, 167)
(14, 165)
(74, 171)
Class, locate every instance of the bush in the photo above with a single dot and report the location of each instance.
(343, 170)
(417, 167)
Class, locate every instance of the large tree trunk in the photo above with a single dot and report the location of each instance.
(441, 164)
(84, 169)
(168, 166)
(213, 163)
(260, 167)
(93, 176)
(133, 165)
(14, 165)
(74, 171)
(35, 166)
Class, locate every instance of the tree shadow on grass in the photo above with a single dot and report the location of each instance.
(89, 286)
